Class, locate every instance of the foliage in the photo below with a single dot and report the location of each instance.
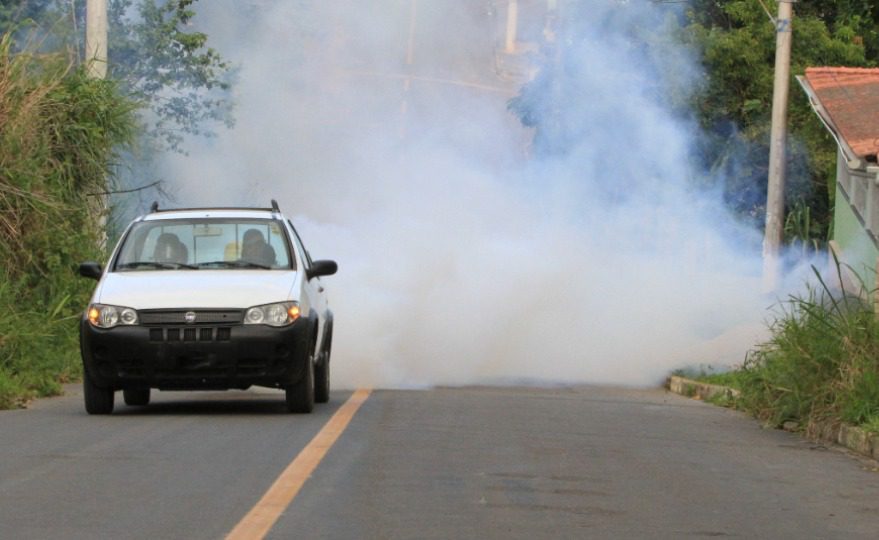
(39, 344)
(173, 71)
(733, 42)
(154, 55)
(820, 365)
(62, 136)
(802, 234)
(736, 41)
(707, 374)
(16, 12)
(59, 134)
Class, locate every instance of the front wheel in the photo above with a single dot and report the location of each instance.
(300, 396)
(97, 400)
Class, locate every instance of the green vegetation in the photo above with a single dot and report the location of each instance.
(59, 135)
(707, 374)
(156, 57)
(63, 138)
(169, 69)
(821, 364)
(736, 45)
(733, 42)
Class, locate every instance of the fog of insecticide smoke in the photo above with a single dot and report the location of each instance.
(465, 256)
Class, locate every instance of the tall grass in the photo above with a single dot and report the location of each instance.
(39, 349)
(802, 232)
(821, 364)
(59, 134)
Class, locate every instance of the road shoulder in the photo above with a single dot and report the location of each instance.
(856, 439)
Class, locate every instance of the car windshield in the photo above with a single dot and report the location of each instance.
(194, 244)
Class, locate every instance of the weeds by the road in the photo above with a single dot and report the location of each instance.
(58, 134)
(707, 374)
(820, 365)
(39, 349)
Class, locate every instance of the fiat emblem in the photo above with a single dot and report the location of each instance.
(189, 317)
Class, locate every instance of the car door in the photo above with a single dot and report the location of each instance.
(313, 287)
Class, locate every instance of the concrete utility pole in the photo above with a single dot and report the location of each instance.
(778, 139)
(96, 38)
(96, 67)
(512, 26)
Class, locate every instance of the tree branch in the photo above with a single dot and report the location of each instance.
(147, 186)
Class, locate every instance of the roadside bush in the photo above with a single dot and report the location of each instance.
(821, 364)
(59, 134)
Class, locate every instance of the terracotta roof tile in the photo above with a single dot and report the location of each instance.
(851, 98)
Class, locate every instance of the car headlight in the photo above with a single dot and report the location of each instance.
(279, 314)
(104, 316)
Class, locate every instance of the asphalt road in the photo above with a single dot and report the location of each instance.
(446, 463)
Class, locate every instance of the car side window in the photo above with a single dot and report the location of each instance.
(300, 247)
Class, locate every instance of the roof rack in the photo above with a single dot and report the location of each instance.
(275, 208)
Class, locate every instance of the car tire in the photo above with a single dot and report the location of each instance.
(300, 396)
(136, 397)
(98, 400)
(322, 373)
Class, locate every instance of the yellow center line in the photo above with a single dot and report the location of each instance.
(262, 517)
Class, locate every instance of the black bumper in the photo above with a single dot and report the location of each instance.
(195, 357)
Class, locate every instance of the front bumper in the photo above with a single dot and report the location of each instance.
(190, 357)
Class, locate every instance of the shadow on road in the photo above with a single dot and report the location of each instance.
(213, 407)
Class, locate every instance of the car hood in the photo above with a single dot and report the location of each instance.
(165, 289)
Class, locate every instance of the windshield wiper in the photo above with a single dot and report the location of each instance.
(154, 264)
(235, 264)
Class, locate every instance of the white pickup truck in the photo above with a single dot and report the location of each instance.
(207, 299)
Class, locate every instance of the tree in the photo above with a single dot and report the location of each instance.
(173, 72)
(60, 134)
(15, 12)
(181, 83)
(734, 44)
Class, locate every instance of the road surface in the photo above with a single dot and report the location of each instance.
(473, 462)
(582, 462)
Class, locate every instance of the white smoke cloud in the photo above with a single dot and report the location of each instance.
(463, 259)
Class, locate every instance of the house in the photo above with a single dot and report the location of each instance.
(847, 102)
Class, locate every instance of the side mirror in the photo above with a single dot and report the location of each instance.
(322, 268)
(90, 270)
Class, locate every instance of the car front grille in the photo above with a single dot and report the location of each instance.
(190, 333)
(178, 316)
